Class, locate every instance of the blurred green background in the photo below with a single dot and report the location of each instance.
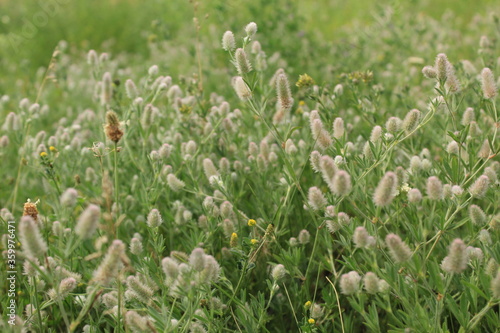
(30, 29)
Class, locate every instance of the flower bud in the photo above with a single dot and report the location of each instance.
(175, 183)
(136, 246)
(304, 237)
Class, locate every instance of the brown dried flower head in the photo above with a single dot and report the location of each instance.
(112, 127)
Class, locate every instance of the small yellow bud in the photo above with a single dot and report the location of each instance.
(234, 240)
(307, 304)
(252, 222)
(302, 103)
(311, 321)
(254, 241)
(43, 154)
(53, 149)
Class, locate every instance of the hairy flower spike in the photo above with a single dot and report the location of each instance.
(341, 183)
(175, 183)
(154, 218)
(495, 285)
(476, 214)
(488, 83)
(429, 72)
(386, 190)
(480, 187)
(349, 283)
(371, 283)
(228, 42)
(278, 272)
(338, 128)
(399, 251)
(414, 195)
(242, 89)
(251, 29)
(88, 222)
(360, 237)
(31, 239)
(316, 198)
(111, 264)
(285, 99)
(411, 120)
(457, 259)
(441, 67)
(242, 64)
(434, 188)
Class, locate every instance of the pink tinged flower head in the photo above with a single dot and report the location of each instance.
(429, 72)
(440, 66)
(88, 222)
(414, 195)
(316, 198)
(386, 190)
(68, 198)
(349, 283)
(434, 188)
(399, 251)
(342, 183)
(457, 259)
(360, 237)
(480, 187)
(488, 83)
